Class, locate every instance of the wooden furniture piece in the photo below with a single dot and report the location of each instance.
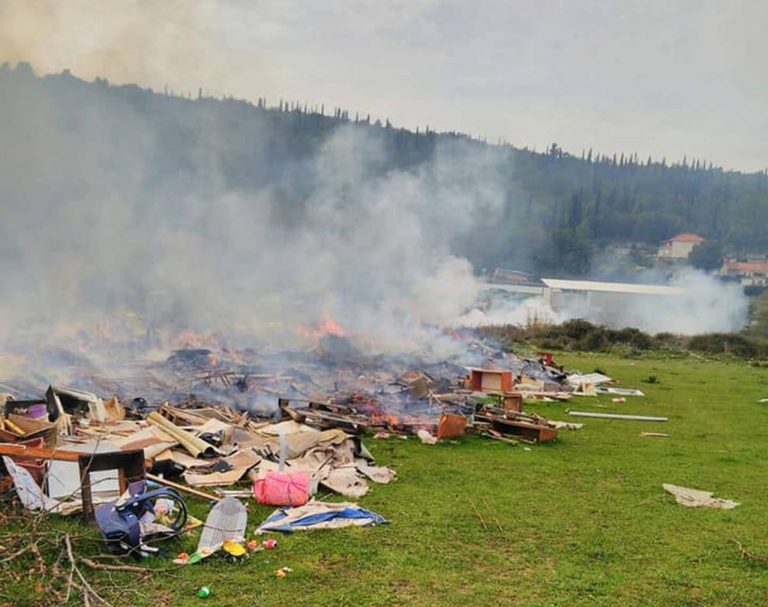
(490, 380)
(130, 467)
(129, 464)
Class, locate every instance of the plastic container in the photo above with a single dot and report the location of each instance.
(37, 411)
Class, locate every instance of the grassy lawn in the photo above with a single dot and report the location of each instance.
(583, 521)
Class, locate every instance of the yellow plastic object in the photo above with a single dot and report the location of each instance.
(233, 548)
(9, 425)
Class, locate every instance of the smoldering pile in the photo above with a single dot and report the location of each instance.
(332, 384)
(221, 423)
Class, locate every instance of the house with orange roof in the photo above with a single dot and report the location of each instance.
(679, 247)
(748, 273)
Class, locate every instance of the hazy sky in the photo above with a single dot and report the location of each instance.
(660, 77)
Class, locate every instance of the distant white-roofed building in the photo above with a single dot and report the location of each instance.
(607, 303)
(622, 288)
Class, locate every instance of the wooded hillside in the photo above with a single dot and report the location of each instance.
(64, 137)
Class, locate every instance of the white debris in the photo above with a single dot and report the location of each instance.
(695, 498)
(426, 437)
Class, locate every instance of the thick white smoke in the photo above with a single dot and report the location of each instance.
(706, 305)
(100, 220)
(90, 234)
(527, 312)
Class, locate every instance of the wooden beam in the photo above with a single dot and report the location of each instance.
(13, 450)
(183, 488)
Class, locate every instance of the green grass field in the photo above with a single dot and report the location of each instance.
(583, 521)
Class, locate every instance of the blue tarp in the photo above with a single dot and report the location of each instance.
(320, 515)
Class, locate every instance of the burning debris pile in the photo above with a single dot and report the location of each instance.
(219, 424)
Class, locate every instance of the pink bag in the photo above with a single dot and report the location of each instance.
(282, 489)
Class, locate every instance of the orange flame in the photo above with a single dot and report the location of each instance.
(327, 326)
(190, 339)
(330, 327)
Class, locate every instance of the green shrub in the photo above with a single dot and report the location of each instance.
(724, 343)
(579, 335)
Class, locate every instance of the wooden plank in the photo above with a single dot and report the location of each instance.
(183, 488)
(38, 453)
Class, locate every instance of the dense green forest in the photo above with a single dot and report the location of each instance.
(559, 209)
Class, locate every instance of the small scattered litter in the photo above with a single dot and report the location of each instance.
(258, 546)
(283, 571)
(203, 592)
(620, 399)
(426, 437)
(694, 498)
(655, 434)
(234, 548)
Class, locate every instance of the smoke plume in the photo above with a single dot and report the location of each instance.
(705, 305)
(125, 210)
(103, 216)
